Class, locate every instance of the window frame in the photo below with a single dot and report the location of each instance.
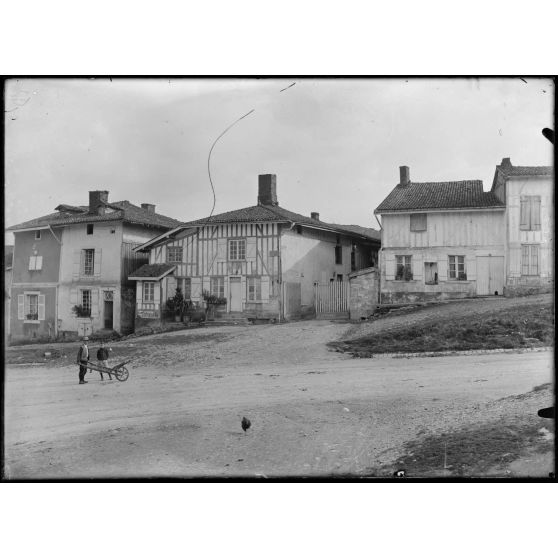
(85, 252)
(89, 228)
(218, 280)
(148, 285)
(35, 263)
(458, 275)
(85, 306)
(253, 288)
(406, 265)
(240, 249)
(529, 211)
(338, 254)
(178, 251)
(38, 235)
(187, 281)
(27, 308)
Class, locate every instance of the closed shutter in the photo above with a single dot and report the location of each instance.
(265, 289)
(534, 260)
(39, 262)
(41, 308)
(442, 269)
(390, 265)
(139, 291)
(157, 292)
(536, 213)
(251, 248)
(97, 263)
(31, 263)
(196, 288)
(73, 296)
(94, 303)
(524, 214)
(222, 250)
(416, 267)
(80, 267)
(20, 307)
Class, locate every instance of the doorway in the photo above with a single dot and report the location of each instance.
(108, 310)
(235, 294)
(490, 275)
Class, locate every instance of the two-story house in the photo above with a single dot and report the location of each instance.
(264, 259)
(71, 267)
(441, 240)
(529, 223)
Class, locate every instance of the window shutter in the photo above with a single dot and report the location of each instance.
(265, 289)
(39, 262)
(171, 286)
(94, 303)
(157, 292)
(534, 260)
(78, 263)
(536, 213)
(251, 248)
(139, 292)
(390, 264)
(221, 249)
(31, 263)
(196, 288)
(524, 214)
(73, 296)
(97, 262)
(20, 307)
(41, 308)
(525, 260)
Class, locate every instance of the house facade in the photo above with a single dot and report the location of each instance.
(453, 240)
(264, 260)
(71, 268)
(529, 221)
(440, 240)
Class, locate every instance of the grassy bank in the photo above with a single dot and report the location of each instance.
(509, 328)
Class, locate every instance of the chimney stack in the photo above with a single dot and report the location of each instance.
(506, 162)
(97, 199)
(315, 215)
(149, 207)
(404, 176)
(267, 189)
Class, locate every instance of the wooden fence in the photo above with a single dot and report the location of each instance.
(332, 298)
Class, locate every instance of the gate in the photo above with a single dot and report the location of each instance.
(292, 300)
(332, 300)
(490, 275)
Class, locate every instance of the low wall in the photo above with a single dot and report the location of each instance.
(525, 286)
(363, 293)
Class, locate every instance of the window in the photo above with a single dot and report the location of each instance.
(529, 259)
(32, 307)
(430, 273)
(174, 254)
(217, 286)
(457, 268)
(237, 249)
(403, 271)
(339, 278)
(86, 301)
(530, 213)
(338, 255)
(149, 291)
(88, 261)
(254, 288)
(187, 288)
(418, 222)
(90, 229)
(35, 263)
(37, 235)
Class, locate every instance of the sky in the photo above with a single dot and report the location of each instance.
(335, 144)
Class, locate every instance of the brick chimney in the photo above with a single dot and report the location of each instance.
(149, 207)
(404, 176)
(96, 200)
(506, 162)
(315, 215)
(267, 189)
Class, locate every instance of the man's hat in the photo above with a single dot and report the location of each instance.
(86, 338)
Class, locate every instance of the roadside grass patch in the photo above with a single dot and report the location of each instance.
(510, 328)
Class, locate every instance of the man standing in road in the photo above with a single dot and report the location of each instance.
(102, 357)
(82, 358)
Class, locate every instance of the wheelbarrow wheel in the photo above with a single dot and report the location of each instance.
(122, 374)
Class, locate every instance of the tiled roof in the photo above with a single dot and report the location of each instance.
(269, 213)
(460, 194)
(152, 271)
(125, 211)
(527, 171)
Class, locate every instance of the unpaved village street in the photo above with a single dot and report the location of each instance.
(313, 411)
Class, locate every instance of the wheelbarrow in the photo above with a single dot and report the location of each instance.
(120, 371)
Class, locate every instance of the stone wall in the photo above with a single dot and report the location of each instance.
(363, 294)
(525, 286)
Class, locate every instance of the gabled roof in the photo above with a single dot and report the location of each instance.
(122, 211)
(461, 194)
(505, 170)
(152, 271)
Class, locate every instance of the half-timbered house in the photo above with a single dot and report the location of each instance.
(266, 261)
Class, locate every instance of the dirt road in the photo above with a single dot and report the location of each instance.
(313, 412)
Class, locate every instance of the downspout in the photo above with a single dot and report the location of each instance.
(379, 258)
(56, 292)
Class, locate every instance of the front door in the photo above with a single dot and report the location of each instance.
(235, 295)
(490, 275)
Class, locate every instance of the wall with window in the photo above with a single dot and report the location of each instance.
(36, 260)
(32, 313)
(530, 241)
